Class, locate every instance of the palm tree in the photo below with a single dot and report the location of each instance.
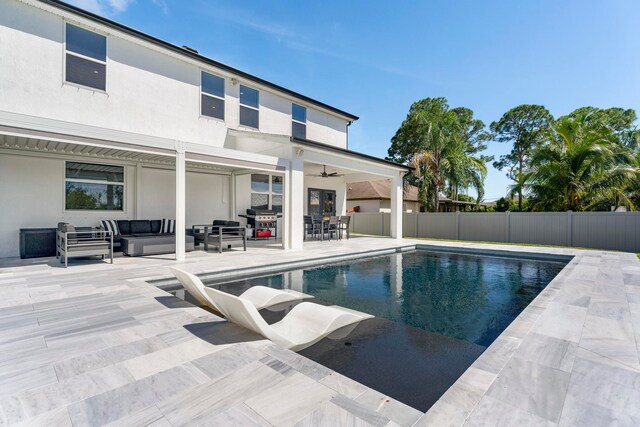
(579, 167)
(521, 180)
(463, 169)
(443, 145)
(428, 165)
(447, 160)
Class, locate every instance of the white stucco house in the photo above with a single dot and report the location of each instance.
(171, 133)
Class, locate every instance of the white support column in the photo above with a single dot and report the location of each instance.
(286, 210)
(295, 201)
(397, 189)
(139, 191)
(232, 197)
(180, 201)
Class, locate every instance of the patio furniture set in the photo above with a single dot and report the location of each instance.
(153, 237)
(317, 227)
(142, 237)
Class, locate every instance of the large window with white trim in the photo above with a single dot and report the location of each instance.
(298, 121)
(94, 187)
(266, 192)
(249, 107)
(212, 96)
(85, 58)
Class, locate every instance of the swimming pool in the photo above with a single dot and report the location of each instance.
(436, 312)
(472, 298)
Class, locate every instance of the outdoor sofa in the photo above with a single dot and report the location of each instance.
(139, 237)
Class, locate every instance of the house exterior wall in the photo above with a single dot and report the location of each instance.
(149, 91)
(207, 195)
(32, 194)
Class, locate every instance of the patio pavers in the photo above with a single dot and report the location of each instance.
(96, 343)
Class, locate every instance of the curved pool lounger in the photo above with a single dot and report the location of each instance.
(260, 296)
(306, 323)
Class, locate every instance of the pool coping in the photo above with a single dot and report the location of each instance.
(570, 358)
(492, 356)
(168, 281)
(481, 393)
(473, 397)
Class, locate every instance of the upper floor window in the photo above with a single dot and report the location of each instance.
(212, 96)
(91, 186)
(86, 58)
(249, 107)
(298, 121)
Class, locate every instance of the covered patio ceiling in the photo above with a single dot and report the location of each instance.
(160, 157)
(312, 170)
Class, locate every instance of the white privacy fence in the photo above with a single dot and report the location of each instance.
(600, 230)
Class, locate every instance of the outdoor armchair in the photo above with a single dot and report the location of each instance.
(82, 242)
(221, 236)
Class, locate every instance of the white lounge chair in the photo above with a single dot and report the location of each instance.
(306, 323)
(262, 297)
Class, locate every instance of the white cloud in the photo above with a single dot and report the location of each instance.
(162, 4)
(299, 42)
(114, 7)
(90, 5)
(118, 5)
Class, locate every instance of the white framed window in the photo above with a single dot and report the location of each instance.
(211, 96)
(85, 58)
(249, 107)
(266, 192)
(298, 121)
(93, 187)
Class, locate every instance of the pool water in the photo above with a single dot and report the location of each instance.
(435, 314)
(471, 298)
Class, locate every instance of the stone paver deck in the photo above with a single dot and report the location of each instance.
(97, 344)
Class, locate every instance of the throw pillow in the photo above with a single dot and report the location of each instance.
(168, 226)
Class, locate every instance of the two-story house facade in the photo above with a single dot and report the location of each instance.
(100, 121)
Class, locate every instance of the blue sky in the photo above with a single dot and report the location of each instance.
(374, 58)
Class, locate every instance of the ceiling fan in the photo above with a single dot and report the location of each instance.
(324, 173)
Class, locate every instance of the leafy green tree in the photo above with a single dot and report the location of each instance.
(473, 131)
(503, 204)
(466, 198)
(523, 126)
(620, 121)
(432, 161)
(632, 191)
(581, 166)
(468, 168)
(442, 145)
(462, 169)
